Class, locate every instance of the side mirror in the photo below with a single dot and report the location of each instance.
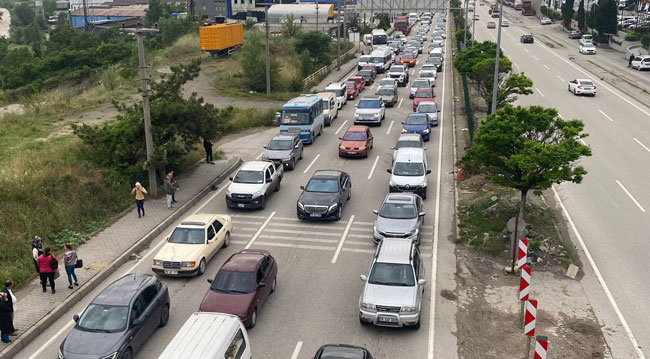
(261, 285)
(75, 318)
(302, 188)
(421, 214)
(392, 148)
(375, 211)
(428, 171)
(209, 281)
(167, 238)
(230, 179)
(363, 277)
(357, 105)
(422, 281)
(136, 322)
(439, 109)
(402, 122)
(341, 138)
(389, 171)
(269, 180)
(264, 147)
(296, 146)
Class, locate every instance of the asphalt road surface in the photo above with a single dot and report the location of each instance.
(609, 210)
(316, 301)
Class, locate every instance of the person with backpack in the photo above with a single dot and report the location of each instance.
(47, 266)
(70, 263)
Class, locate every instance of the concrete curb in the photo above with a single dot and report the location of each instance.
(97, 280)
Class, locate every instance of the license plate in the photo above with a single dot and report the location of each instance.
(388, 319)
(315, 215)
(171, 272)
(587, 88)
(352, 153)
(294, 130)
(240, 205)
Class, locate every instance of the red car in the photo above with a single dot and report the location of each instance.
(351, 90)
(242, 285)
(422, 95)
(356, 142)
(408, 59)
(359, 81)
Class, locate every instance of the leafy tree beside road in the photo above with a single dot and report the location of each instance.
(603, 18)
(529, 149)
(567, 13)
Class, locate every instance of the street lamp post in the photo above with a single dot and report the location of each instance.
(495, 84)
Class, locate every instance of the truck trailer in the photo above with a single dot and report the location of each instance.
(221, 39)
(527, 8)
(402, 24)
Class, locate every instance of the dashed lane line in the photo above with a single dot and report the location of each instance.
(342, 241)
(259, 230)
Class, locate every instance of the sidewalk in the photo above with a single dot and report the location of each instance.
(107, 250)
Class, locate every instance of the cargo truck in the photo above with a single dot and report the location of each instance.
(527, 8)
(402, 24)
(221, 39)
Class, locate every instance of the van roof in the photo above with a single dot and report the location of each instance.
(204, 335)
(410, 154)
(326, 95)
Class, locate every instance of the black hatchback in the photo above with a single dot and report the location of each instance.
(119, 320)
(342, 351)
(527, 39)
(325, 195)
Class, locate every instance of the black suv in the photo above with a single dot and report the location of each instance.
(527, 39)
(324, 196)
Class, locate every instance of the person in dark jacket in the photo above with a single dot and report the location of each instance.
(6, 324)
(629, 64)
(11, 300)
(207, 145)
(37, 250)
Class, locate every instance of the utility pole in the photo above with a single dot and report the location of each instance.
(466, 25)
(316, 15)
(86, 24)
(338, 36)
(144, 88)
(495, 84)
(268, 56)
(474, 22)
(345, 20)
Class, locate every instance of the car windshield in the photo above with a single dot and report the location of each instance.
(280, 145)
(349, 85)
(427, 108)
(326, 185)
(249, 177)
(412, 144)
(396, 68)
(187, 236)
(103, 318)
(377, 60)
(387, 82)
(420, 83)
(424, 94)
(588, 45)
(388, 92)
(354, 136)
(408, 169)
(295, 117)
(336, 92)
(408, 57)
(365, 59)
(416, 120)
(365, 73)
(392, 274)
(326, 105)
(233, 282)
(369, 104)
(398, 211)
(426, 74)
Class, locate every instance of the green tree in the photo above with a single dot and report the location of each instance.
(460, 35)
(154, 12)
(253, 62)
(582, 25)
(23, 14)
(62, 19)
(249, 24)
(49, 7)
(384, 21)
(291, 28)
(318, 45)
(529, 149)
(567, 13)
(605, 17)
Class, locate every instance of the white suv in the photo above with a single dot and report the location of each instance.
(409, 172)
(392, 294)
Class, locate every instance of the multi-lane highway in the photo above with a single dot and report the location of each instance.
(318, 287)
(608, 212)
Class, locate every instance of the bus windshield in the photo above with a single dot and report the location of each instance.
(295, 117)
(380, 39)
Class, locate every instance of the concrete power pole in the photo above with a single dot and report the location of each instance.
(316, 15)
(268, 56)
(338, 36)
(86, 24)
(144, 87)
(466, 26)
(495, 84)
(473, 21)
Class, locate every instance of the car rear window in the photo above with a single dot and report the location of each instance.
(586, 82)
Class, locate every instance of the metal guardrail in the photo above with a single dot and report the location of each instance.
(328, 68)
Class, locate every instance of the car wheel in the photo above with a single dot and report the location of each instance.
(311, 138)
(293, 164)
(417, 325)
(277, 188)
(363, 322)
(339, 213)
(273, 284)
(424, 195)
(253, 319)
(201, 267)
(301, 150)
(128, 354)
(226, 240)
(263, 204)
(164, 316)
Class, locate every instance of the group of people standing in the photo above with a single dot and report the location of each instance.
(47, 265)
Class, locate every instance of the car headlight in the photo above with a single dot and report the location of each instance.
(392, 184)
(158, 262)
(188, 264)
(408, 309)
(375, 115)
(301, 206)
(404, 130)
(110, 356)
(424, 184)
(413, 232)
(264, 158)
(332, 207)
(369, 306)
(341, 147)
(362, 148)
(257, 194)
(228, 192)
(426, 131)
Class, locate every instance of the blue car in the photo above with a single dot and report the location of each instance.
(417, 123)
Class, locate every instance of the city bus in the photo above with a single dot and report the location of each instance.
(379, 38)
(303, 115)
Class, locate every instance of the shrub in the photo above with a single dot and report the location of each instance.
(645, 41)
(631, 37)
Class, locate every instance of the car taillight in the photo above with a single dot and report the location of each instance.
(580, 87)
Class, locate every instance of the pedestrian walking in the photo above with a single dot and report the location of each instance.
(629, 64)
(47, 265)
(207, 145)
(37, 250)
(139, 192)
(169, 190)
(6, 323)
(70, 262)
(11, 299)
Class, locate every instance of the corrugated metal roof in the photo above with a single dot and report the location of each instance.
(130, 10)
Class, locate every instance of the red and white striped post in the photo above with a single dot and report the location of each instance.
(541, 347)
(522, 253)
(529, 322)
(524, 290)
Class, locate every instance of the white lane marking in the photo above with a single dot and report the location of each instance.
(561, 79)
(630, 195)
(587, 73)
(400, 103)
(583, 142)
(373, 86)
(436, 226)
(47, 344)
(540, 92)
(642, 145)
(341, 127)
(311, 164)
(601, 280)
(548, 68)
(525, 49)
(345, 234)
(259, 230)
(302, 238)
(372, 170)
(259, 156)
(296, 351)
(534, 57)
(294, 246)
(604, 114)
(390, 126)
(515, 65)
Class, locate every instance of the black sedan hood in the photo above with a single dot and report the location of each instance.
(94, 344)
(319, 198)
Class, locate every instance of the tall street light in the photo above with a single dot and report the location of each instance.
(495, 84)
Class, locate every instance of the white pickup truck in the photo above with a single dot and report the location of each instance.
(253, 183)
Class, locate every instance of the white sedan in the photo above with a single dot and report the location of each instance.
(545, 21)
(582, 87)
(587, 49)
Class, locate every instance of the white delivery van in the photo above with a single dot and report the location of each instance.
(330, 108)
(382, 59)
(367, 39)
(210, 336)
